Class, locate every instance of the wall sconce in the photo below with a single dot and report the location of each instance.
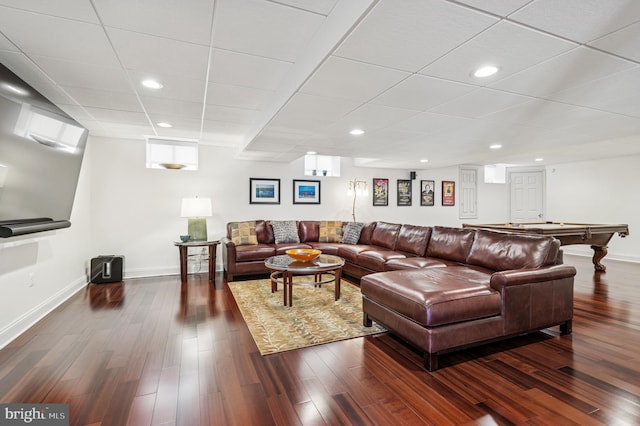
(197, 210)
(356, 187)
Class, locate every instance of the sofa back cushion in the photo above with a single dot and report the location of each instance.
(351, 232)
(330, 231)
(500, 251)
(450, 243)
(285, 231)
(264, 232)
(385, 234)
(309, 230)
(413, 239)
(367, 231)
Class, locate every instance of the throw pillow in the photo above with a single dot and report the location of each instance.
(285, 231)
(352, 232)
(330, 231)
(244, 233)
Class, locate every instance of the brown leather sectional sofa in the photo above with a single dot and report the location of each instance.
(441, 289)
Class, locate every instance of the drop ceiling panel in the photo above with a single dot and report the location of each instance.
(72, 9)
(118, 116)
(230, 115)
(508, 46)
(371, 117)
(311, 112)
(624, 42)
(430, 124)
(420, 93)
(322, 7)
(237, 96)
(186, 20)
(57, 37)
(171, 107)
(107, 99)
(356, 81)
(264, 28)
(401, 35)
(499, 7)
(579, 20)
(174, 86)
(241, 69)
(155, 54)
(89, 76)
(480, 102)
(5, 44)
(565, 71)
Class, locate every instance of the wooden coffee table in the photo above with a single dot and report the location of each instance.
(284, 268)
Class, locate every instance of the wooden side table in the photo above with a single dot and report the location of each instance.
(184, 247)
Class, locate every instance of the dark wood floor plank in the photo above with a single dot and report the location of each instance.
(154, 351)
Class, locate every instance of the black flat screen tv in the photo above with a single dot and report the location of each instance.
(41, 152)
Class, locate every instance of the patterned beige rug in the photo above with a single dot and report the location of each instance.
(315, 318)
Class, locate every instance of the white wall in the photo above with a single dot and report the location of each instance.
(602, 191)
(40, 271)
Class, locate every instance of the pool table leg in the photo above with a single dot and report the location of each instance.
(598, 253)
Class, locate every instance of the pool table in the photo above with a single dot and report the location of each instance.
(597, 235)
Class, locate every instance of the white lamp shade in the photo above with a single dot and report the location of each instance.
(196, 207)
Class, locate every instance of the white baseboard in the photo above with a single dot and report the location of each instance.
(30, 318)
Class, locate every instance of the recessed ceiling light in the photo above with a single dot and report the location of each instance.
(311, 153)
(495, 146)
(539, 159)
(485, 71)
(164, 124)
(356, 132)
(152, 84)
(424, 160)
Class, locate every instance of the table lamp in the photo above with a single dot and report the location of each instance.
(196, 210)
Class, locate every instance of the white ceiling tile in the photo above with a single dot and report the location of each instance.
(230, 115)
(623, 42)
(240, 69)
(499, 7)
(312, 112)
(108, 99)
(236, 96)
(5, 44)
(186, 20)
(479, 103)
(174, 86)
(71, 9)
(264, 28)
(164, 106)
(408, 34)
(118, 116)
(67, 73)
(322, 7)
(356, 81)
(431, 124)
(579, 20)
(508, 46)
(568, 70)
(370, 117)
(420, 93)
(160, 55)
(58, 37)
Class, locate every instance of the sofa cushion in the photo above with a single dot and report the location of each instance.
(385, 234)
(254, 252)
(351, 232)
(501, 251)
(264, 232)
(243, 233)
(413, 239)
(367, 231)
(308, 230)
(285, 231)
(450, 243)
(350, 252)
(416, 263)
(376, 259)
(433, 297)
(330, 231)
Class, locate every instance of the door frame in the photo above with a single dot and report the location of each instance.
(515, 170)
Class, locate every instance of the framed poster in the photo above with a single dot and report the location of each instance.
(426, 192)
(448, 193)
(380, 192)
(306, 191)
(264, 191)
(404, 192)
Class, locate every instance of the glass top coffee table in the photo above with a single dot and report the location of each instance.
(284, 268)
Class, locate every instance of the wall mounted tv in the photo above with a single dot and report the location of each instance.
(41, 151)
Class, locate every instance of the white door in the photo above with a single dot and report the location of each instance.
(526, 195)
(468, 193)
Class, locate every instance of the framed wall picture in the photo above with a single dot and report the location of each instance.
(448, 193)
(380, 192)
(427, 188)
(264, 191)
(404, 192)
(306, 191)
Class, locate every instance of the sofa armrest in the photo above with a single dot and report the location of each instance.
(502, 279)
(228, 256)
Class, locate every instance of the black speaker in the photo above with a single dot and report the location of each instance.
(106, 269)
(412, 175)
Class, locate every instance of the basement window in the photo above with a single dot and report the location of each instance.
(321, 165)
(172, 154)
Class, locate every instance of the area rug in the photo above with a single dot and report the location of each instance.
(314, 319)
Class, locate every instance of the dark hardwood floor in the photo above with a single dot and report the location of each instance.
(148, 353)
